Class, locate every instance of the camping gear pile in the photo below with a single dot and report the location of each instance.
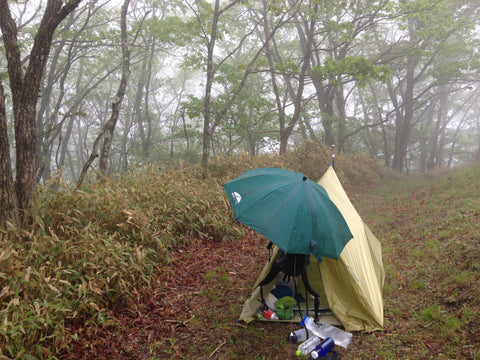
(334, 258)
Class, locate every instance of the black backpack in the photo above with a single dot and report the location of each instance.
(292, 265)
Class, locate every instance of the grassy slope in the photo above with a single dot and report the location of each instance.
(430, 231)
(428, 228)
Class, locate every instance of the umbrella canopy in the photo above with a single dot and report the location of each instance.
(290, 210)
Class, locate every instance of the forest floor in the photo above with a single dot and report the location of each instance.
(431, 290)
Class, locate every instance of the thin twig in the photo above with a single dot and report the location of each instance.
(218, 347)
(184, 323)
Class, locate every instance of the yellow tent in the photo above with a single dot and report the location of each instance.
(350, 287)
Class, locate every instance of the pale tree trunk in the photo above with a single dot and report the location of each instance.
(435, 150)
(404, 117)
(469, 104)
(325, 94)
(107, 130)
(477, 155)
(73, 111)
(296, 95)
(139, 113)
(404, 111)
(8, 200)
(210, 120)
(48, 126)
(142, 113)
(342, 117)
(207, 131)
(298, 100)
(112, 123)
(279, 101)
(25, 90)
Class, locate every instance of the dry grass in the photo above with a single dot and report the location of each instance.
(94, 250)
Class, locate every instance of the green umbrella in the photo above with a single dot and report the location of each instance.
(290, 210)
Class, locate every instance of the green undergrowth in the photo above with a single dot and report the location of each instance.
(91, 248)
(429, 227)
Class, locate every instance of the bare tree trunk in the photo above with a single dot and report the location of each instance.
(210, 122)
(8, 200)
(48, 126)
(296, 95)
(404, 119)
(433, 156)
(109, 127)
(280, 103)
(112, 123)
(298, 100)
(25, 91)
(185, 132)
(73, 113)
(477, 155)
(138, 108)
(207, 131)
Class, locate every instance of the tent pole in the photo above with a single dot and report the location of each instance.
(332, 160)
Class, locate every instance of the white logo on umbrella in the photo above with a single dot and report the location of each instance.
(237, 197)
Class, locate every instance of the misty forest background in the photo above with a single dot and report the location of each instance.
(126, 84)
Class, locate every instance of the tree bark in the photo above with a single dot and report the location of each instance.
(139, 113)
(296, 95)
(8, 200)
(112, 123)
(109, 127)
(207, 132)
(25, 92)
(404, 114)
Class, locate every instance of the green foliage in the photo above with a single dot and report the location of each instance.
(287, 66)
(357, 67)
(433, 312)
(171, 30)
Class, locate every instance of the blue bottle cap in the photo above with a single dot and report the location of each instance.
(304, 320)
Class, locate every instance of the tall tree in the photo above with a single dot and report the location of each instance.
(210, 36)
(284, 74)
(212, 29)
(117, 103)
(8, 200)
(25, 87)
(59, 105)
(430, 28)
(108, 128)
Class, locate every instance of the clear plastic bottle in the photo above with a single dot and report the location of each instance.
(270, 302)
(308, 345)
(323, 348)
(324, 330)
(298, 336)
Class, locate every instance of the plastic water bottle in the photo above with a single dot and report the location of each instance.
(270, 315)
(270, 302)
(324, 330)
(323, 348)
(308, 345)
(297, 336)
